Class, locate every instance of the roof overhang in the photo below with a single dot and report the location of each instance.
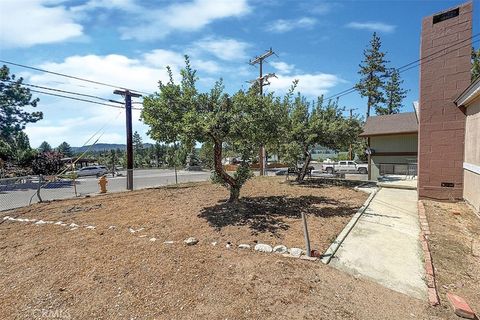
(387, 134)
(471, 93)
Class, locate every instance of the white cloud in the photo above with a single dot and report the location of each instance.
(372, 26)
(153, 24)
(281, 25)
(75, 121)
(309, 84)
(282, 67)
(223, 48)
(32, 22)
(126, 5)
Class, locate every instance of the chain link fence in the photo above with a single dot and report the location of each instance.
(22, 191)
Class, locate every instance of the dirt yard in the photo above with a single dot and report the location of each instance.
(115, 264)
(455, 248)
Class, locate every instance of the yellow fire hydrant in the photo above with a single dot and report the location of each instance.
(102, 182)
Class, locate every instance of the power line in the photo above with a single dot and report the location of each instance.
(413, 64)
(65, 91)
(79, 99)
(69, 76)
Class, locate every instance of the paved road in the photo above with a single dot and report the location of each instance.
(89, 185)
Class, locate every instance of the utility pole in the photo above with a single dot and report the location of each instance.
(350, 155)
(262, 81)
(128, 117)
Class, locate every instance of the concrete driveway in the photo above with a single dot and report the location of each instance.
(384, 245)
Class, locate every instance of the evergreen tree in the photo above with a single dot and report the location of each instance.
(13, 98)
(475, 64)
(371, 71)
(65, 149)
(394, 94)
(138, 151)
(44, 147)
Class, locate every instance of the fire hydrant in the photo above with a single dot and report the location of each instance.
(102, 182)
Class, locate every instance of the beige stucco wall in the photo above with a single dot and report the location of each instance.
(471, 188)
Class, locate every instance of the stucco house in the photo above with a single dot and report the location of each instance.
(469, 103)
(393, 144)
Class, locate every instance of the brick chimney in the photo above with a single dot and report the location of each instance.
(443, 77)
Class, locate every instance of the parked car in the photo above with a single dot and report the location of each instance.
(345, 167)
(90, 171)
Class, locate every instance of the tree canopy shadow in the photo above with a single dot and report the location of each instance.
(268, 214)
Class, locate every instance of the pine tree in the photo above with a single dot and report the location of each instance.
(394, 94)
(44, 147)
(475, 64)
(65, 149)
(371, 70)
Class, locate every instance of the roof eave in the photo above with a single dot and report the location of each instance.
(469, 94)
(386, 133)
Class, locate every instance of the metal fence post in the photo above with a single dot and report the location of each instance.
(40, 181)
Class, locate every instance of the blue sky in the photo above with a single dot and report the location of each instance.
(129, 42)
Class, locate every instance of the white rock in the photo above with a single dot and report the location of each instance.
(263, 247)
(296, 252)
(133, 230)
(214, 243)
(40, 222)
(74, 228)
(143, 236)
(73, 225)
(111, 227)
(244, 246)
(191, 241)
(168, 242)
(280, 249)
(59, 223)
(90, 227)
(228, 246)
(6, 217)
(153, 239)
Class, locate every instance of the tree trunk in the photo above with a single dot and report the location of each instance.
(226, 178)
(306, 164)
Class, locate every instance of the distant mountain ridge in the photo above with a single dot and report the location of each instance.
(99, 147)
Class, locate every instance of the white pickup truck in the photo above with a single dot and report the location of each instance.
(345, 167)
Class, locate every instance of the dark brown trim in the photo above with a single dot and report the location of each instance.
(387, 134)
(413, 153)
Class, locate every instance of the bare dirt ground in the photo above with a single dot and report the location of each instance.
(455, 249)
(51, 271)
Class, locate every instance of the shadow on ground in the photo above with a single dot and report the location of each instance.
(327, 182)
(267, 214)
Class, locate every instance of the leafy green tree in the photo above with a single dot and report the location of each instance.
(159, 152)
(371, 71)
(394, 94)
(178, 112)
(13, 98)
(44, 147)
(206, 155)
(475, 64)
(23, 154)
(65, 149)
(311, 124)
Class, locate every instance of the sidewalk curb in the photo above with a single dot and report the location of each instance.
(332, 249)
(429, 269)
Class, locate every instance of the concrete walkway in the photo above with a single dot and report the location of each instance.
(384, 245)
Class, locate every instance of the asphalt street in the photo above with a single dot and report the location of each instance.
(22, 195)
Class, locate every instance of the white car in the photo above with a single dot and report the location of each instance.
(91, 171)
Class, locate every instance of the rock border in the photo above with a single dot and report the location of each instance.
(332, 249)
(429, 269)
